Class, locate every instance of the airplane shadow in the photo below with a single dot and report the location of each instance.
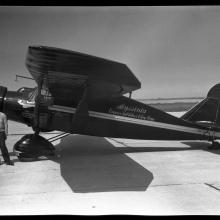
(91, 164)
(201, 146)
(190, 145)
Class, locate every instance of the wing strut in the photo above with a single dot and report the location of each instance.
(37, 106)
(80, 118)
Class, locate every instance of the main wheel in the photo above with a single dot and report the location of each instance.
(32, 146)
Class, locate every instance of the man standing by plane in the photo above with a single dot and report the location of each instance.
(3, 137)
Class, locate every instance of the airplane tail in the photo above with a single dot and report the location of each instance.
(207, 111)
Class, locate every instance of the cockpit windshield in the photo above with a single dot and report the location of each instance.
(32, 95)
(45, 96)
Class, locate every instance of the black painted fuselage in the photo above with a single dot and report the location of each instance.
(118, 117)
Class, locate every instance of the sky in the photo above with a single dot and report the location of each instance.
(174, 51)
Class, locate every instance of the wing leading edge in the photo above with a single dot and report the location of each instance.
(66, 72)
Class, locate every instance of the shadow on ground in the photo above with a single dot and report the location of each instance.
(201, 146)
(91, 164)
(189, 145)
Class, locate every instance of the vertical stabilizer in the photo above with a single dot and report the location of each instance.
(206, 111)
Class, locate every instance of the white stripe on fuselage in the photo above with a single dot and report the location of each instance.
(138, 121)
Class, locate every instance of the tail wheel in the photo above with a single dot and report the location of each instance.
(214, 146)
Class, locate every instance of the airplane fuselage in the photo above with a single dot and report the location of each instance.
(118, 117)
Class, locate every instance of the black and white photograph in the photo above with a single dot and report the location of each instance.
(110, 110)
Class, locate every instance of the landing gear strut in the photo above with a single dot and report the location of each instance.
(32, 146)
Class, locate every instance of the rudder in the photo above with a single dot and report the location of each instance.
(206, 111)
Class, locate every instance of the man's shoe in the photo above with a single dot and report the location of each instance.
(11, 163)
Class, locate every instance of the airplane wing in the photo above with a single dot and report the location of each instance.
(65, 73)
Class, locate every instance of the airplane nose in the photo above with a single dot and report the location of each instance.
(3, 91)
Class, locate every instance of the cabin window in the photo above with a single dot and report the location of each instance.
(46, 96)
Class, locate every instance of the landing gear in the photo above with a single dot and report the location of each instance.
(32, 146)
(215, 145)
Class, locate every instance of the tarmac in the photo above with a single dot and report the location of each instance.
(102, 176)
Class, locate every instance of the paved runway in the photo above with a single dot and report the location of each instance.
(96, 176)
